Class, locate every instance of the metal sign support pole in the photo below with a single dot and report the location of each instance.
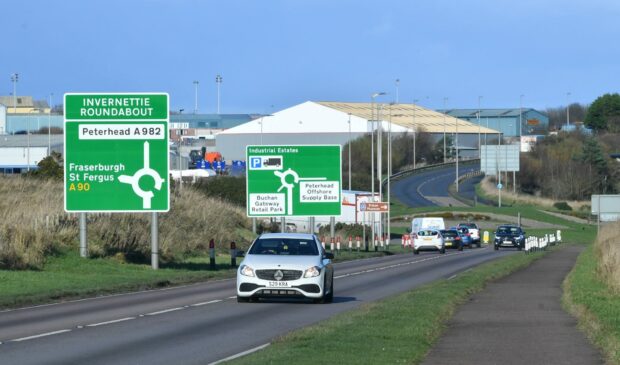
(83, 242)
(254, 225)
(154, 242)
(332, 226)
(283, 225)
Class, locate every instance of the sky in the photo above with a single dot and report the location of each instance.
(273, 54)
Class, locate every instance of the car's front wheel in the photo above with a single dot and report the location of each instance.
(496, 247)
(327, 297)
(243, 299)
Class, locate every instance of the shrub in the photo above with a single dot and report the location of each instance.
(562, 206)
(229, 188)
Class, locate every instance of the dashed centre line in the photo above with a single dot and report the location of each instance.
(40, 335)
(110, 322)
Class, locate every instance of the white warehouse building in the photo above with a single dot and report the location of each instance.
(328, 123)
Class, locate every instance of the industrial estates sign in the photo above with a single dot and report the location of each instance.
(293, 180)
(116, 152)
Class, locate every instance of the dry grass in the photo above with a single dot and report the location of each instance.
(607, 251)
(488, 186)
(34, 225)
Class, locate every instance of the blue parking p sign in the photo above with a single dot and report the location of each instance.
(256, 162)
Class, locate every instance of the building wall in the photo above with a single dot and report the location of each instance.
(232, 146)
(21, 123)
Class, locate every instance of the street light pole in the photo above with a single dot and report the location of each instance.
(445, 100)
(218, 81)
(413, 129)
(499, 172)
(389, 173)
(14, 79)
(195, 97)
(397, 87)
(349, 151)
(372, 159)
(567, 110)
(456, 147)
(478, 117)
(49, 127)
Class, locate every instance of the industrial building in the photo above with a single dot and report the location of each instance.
(506, 121)
(339, 122)
(22, 152)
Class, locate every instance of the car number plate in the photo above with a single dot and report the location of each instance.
(427, 238)
(279, 284)
(508, 242)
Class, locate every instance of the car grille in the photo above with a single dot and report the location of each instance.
(269, 274)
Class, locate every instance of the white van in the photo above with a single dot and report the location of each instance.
(419, 224)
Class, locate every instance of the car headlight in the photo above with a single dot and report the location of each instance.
(312, 272)
(246, 270)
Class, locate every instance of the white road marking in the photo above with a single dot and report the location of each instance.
(164, 311)
(40, 335)
(396, 265)
(116, 295)
(452, 277)
(233, 297)
(205, 303)
(110, 322)
(236, 356)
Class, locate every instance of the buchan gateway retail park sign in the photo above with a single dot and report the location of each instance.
(293, 180)
(116, 152)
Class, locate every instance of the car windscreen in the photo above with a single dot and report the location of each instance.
(449, 233)
(284, 246)
(469, 225)
(427, 233)
(508, 230)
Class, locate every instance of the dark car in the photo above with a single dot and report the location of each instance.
(452, 239)
(509, 236)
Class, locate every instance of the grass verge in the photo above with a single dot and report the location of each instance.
(67, 276)
(595, 305)
(400, 329)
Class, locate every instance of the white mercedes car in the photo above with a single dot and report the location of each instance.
(286, 265)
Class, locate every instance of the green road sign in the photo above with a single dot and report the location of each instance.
(116, 152)
(293, 180)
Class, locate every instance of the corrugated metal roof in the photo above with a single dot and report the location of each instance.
(403, 114)
(36, 140)
(486, 113)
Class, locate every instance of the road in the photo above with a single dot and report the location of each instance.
(203, 323)
(429, 188)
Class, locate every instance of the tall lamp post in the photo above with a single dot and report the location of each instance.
(218, 81)
(445, 100)
(49, 127)
(372, 157)
(195, 96)
(14, 79)
(456, 147)
(478, 118)
(567, 110)
(349, 122)
(413, 129)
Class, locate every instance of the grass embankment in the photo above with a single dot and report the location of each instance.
(592, 292)
(400, 329)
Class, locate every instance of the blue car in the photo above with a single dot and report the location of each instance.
(466, 237)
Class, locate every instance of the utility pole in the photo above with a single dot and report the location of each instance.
(413, 129)
(567, 110)
(218, 81)
(195, 97)
(14, 79)
(445, 100)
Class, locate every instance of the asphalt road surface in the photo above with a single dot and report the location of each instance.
(203, 323)
(416, 189)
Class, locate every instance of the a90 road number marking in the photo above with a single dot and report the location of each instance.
(79, 187)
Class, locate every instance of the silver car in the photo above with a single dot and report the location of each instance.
(286, 265)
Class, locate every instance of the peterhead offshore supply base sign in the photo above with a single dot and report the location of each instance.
(303, 180)
(116, 152)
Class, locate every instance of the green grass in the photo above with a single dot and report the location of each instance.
(595, 305)
(68, 276)
(400, 329)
